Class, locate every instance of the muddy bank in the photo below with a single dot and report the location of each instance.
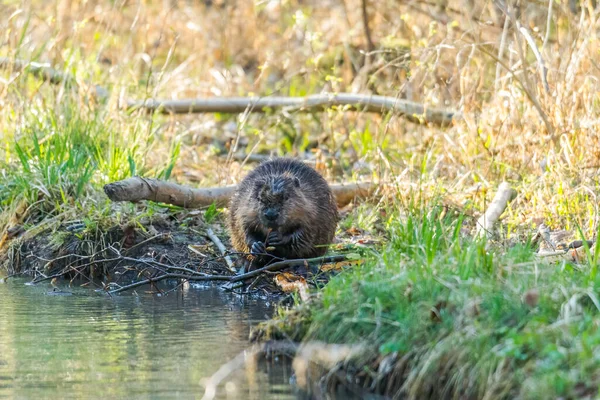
(143, 251)
(117, 254)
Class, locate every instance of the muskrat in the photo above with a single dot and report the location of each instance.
(283, 208)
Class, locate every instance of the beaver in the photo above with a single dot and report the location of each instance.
(283, 208)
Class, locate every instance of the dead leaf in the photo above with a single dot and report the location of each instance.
(200, 249)
(354, 231)
(338, 266)
(291, 283)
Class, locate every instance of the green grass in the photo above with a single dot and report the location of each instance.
(472, 318)
(64, 154)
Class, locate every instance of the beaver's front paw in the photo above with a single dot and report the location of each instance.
(258, 248)
(274, 239)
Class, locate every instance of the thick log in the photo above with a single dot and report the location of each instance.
(137, 189)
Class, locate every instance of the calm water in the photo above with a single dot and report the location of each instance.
(88, 345)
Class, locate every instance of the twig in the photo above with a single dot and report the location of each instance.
(504, 195)
(288, 263)
(219, 244)
(538, 56)
(526, 88)
(548, 24)
(70, 268)
(154, 264)
(365, 17)
(501, 53)
(41, 71)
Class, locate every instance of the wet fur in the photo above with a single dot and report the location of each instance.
(307, 209)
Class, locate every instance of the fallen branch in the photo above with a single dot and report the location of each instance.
(415, 112)
(137, 189)
(39, 70)
(215, 239)
(486, 222)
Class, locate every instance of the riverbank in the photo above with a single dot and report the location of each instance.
(446, 316)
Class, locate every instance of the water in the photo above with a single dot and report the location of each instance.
(88, 345)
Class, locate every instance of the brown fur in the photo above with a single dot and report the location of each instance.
(306, 209)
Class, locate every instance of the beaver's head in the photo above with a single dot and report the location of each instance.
(276, 196)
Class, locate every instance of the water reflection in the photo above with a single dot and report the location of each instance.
(88, 346)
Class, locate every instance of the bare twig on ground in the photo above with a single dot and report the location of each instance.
(172, 271)
(161, 236)
(215, 239)
(137, 189)
(486, 222)
(288, 263)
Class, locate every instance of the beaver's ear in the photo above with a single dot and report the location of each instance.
(296, 182)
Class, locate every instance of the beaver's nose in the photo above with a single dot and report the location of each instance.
(271, 214)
